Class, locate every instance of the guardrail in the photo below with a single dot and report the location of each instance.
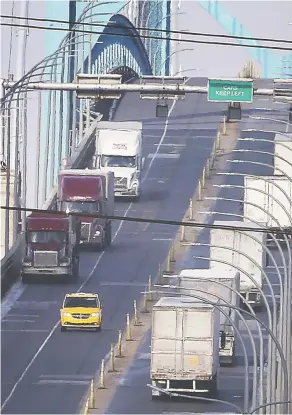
(10, 264)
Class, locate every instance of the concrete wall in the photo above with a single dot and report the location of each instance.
(3, 184)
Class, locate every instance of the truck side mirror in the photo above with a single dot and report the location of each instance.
(222, 339)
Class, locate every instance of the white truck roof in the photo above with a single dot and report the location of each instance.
(119, 125)
(85, 172)
(181, 302)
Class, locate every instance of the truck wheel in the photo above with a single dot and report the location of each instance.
(109, 234)
(214, 390)
(75, 269)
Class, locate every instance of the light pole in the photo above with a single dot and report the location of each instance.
(287, 281)
(254, 117)
(269, 253)
(272, 320)
(286, 340)
(267, 131)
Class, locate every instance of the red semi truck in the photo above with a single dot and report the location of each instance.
(88, 191)
(51, 242)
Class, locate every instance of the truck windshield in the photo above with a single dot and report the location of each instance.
(43, 237)
(87, 207)
(71, 302)
(118, 161)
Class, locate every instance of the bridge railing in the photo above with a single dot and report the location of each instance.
(11, 263)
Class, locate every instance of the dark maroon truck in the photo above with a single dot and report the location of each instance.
(88, 191)
(51, 242)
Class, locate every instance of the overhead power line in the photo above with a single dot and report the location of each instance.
(194, 41)
(182, 32)
(145, 220)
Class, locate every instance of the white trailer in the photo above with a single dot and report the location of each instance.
(217, 285)
(267, 199)
(283, 152)
(241, 251)
(185, 346)
(119, 149)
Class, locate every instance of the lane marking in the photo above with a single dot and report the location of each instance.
(22, 315)
(17, 321)
(164, 156)
(91, 273)
(62, 382)
(26, 330)
(162, 239)
(171, 145)
(121, 284)
(65, 377)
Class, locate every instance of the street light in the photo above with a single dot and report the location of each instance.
(254, 117)
(266, 131)
(273, 321)
(267, 250)
(286, 284)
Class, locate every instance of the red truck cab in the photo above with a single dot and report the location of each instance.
(87, 191)
(50, 243)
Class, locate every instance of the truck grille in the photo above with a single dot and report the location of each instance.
(85, 230)
(81, 316)
(45, 258)
(120, 183)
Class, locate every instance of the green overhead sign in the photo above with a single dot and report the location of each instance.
(221, 90)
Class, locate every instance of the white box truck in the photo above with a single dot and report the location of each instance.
(225, 285)
(185, 346)
(283, 152)
(241, 251)
(267, 199)
(119, 149)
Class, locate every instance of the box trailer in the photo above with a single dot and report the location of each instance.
(267, 199)
(217, 285)
(241, 251)
(184, 346)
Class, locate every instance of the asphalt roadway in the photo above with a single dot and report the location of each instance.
(45, 371)
(132, 395)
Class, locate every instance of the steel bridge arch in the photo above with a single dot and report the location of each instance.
(118, 51)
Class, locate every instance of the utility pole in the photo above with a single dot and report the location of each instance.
(72, 52)
(18, 139)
